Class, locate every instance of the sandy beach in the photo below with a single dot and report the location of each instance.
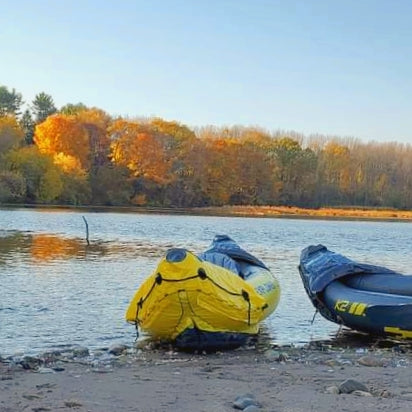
(318, 377)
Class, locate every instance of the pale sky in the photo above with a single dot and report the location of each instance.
(336, 67)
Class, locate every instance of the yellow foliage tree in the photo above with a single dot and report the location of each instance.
(42, 176)
(180, 133)
(63, 137)
(337, 165)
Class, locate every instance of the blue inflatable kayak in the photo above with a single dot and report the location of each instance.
(363, 297)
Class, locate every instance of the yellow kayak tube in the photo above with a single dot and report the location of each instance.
(214, 300)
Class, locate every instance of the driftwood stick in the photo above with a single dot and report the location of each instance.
(314, 316)
(87, 230)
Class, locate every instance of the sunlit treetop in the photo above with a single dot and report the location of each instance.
(178, 131)
(63, 135)
(72, 109)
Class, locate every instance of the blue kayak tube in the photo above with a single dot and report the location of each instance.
(360, 296)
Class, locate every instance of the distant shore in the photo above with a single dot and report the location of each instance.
(349, 213)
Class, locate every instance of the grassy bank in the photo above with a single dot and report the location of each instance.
(334, 213)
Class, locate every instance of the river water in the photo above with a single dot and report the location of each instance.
(55, 291)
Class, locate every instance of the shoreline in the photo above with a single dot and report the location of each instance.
(289, 212)
(318, 376)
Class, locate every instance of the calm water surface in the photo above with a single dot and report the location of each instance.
(57, 291)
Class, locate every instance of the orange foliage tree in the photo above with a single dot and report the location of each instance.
(218, 176)
(76, 141)
(137, 147)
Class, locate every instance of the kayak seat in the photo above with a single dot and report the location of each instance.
(220, 259)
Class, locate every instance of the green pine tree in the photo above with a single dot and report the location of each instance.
(10, 102)
(43, 106)
(27, 124)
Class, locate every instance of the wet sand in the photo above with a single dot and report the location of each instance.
(273, 379)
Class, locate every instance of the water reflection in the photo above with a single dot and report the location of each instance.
(45, 248)
(50, 248)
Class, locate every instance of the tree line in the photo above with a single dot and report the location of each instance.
(79, 155)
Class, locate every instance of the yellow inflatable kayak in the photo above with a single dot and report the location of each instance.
(214, 300)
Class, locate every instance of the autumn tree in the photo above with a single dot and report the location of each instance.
(225, 165)
(96, 122)
(335, 177)
(252, 164)
(248, 171)
(176, 140)
(65, 139)
(178, 134)
(141, 150)
(79, 144)
(378, 178)
(188, 188)
(295, 170)
(75, 141)
(219, 178)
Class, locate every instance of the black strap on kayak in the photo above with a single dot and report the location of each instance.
(201, 273)
(247, 299)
